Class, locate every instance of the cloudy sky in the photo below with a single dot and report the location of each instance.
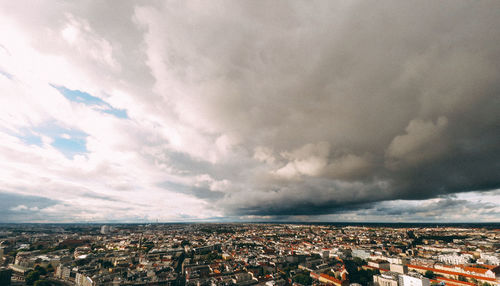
(351, 110)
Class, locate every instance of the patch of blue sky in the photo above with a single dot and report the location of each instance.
(70, 146)
(85, 98)
(68, 141)
(31, 139)
(6, 74)
(26, 135)
(79, 96)
(120, 113)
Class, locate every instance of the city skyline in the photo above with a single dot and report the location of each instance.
(330, 111)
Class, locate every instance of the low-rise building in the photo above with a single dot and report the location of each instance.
(386, 279)
(413, 279)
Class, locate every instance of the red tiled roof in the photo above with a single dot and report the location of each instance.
(475, 269)
(451, 273)
(326, 276)
(489, 266)
(314, 275)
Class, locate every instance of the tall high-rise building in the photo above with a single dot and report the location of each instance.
(105, 229)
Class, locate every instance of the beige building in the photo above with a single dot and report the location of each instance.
(386, 279)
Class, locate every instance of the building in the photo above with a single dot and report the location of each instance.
(380, 264)
(83, 280)
(327, 279)
(105, 229)
(399, 268)
(242, 278)
(398, 260)
(386, 279)
(360, 253)
(455, 259)
(63, 272)
(23, 258)
(413, 279)
(325, 253)
(492, 258)
(18, 269)
(453, 274)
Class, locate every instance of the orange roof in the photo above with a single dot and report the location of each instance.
(326, 276)
(475, 269)
(451, 273)
(314, 275)
(489, 266)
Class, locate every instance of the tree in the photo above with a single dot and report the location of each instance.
(50, 268)
(40, 270)
(107, 264)
(410, 234)
(358, 261)
(31, 277)
(42, 283)
(429, 274)
(462, 278)
(303, 279)
(358, 275)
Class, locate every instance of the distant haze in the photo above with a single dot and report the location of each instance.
(133, 111)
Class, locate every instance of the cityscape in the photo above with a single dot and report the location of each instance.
(250, 254)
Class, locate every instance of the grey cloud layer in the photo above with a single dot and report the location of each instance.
(21, 208)
(353, 103)
(312, 107)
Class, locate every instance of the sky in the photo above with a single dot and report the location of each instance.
(215, 111)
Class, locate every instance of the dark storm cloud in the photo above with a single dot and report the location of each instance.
(199, 192)
(408, 90)
(436, 209)
(343, 104)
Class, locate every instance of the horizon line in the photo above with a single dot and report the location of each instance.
(256, 222)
